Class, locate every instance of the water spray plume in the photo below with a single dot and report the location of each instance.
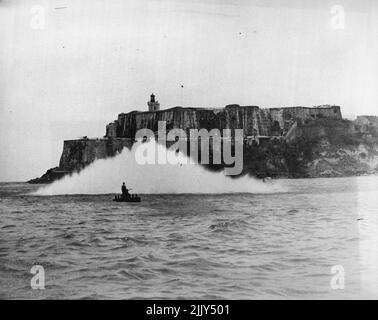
(105, 176)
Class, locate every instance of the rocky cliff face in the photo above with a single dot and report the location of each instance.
(321, 148)
(337, 148)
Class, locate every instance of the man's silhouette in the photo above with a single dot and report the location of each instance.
(125, 191)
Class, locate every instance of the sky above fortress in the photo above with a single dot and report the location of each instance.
(72, 71)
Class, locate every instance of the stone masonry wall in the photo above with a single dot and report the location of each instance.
(254, 121)
(77, 154)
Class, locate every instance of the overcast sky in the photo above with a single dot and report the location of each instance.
(93, 59)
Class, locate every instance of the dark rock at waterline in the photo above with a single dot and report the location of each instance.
(50, 176)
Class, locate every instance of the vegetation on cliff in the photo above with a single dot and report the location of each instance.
(324, 147)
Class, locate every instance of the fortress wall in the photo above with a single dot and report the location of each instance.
(130, 123)
(277, 114)
(367, 120)
(241, 117)
(331, 112)
(254, 121)
(287, 116)
(231, 117)
(111, 129)
(79, 153)
(265, 122)
(206, 119)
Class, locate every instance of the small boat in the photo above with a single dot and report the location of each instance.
(129, 198)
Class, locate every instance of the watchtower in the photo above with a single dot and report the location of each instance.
(152, 104)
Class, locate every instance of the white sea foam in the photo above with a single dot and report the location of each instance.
(106, 176)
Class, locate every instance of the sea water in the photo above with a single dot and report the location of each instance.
(278, 245)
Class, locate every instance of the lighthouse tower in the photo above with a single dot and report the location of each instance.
(152, 104)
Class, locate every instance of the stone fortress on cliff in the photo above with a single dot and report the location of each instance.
(280, 142)
(257, 123)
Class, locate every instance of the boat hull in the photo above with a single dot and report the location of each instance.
(126, 199)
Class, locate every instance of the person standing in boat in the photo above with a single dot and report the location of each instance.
(125, 191)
